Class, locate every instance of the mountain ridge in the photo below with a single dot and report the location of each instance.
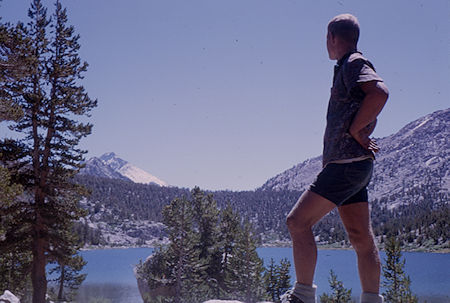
(418, 150)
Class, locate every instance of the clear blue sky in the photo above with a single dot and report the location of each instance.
(227, 94)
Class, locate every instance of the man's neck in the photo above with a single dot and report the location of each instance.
(342, 53)
(345, 56)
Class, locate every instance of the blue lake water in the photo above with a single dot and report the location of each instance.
(111, 278)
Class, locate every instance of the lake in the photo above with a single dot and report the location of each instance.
(111, 280)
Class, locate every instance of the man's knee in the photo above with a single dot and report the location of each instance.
(362, 240)
(297, 224)
(290, 222)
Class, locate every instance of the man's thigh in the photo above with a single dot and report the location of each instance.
(356, 219)
(310, 208)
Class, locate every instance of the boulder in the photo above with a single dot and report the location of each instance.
(8, 297)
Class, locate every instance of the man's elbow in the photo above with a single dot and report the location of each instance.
(377, 91)
(382, 92)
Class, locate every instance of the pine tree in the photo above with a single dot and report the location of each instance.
(206, 216)
(51, 98)
(396, 282)
(183, 257)
(339, 293)
(277, 279)
(271, 281)
(206, 223)
(284, 277)
(188, 270)
(229, 229)
(246, 281)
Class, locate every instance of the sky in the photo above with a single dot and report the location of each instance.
(227, 94)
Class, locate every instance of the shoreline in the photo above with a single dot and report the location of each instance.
(381, 248)
(287, 245)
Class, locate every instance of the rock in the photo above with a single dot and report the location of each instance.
(227, 301)
(8, 297)
(149, 294)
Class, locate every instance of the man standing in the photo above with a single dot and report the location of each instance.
(357, 97)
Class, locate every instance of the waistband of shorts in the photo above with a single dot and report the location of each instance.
(351, 160)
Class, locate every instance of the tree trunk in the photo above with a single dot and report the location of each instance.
(61, 283)
(38, 269)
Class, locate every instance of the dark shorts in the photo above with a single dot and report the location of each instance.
(344, 184)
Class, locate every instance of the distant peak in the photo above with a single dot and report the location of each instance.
(108, 156)
(109, 165)
(112, 160)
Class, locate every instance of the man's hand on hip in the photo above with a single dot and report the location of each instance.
(362, 137)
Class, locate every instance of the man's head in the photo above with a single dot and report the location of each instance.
(342, 36)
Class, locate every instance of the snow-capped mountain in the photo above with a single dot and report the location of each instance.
(110, 165)
(96, 167)
(411, 163)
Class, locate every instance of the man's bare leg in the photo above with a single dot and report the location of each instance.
(309, 209)
(356, 219)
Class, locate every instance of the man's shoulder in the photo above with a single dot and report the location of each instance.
(356, 63)
(356, 56)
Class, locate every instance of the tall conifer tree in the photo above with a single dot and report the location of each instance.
(51, 97)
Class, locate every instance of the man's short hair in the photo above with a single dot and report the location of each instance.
(345, 26)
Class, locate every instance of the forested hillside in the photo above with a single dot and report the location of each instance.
(125, 213)
(128, 213)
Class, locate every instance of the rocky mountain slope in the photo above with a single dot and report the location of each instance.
(415, 157)
(110, 165)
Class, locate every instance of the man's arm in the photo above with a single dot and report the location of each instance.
(364, 122)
